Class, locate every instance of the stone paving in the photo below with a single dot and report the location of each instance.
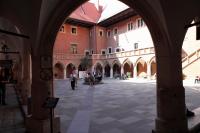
(11, 120)
(116, 106)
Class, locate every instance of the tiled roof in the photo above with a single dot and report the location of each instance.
(86, 12)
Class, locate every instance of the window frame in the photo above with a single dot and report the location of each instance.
(74, 27)
(74, 51)
(103, 50)
(109, 51)
(101, 31)
(116, 28)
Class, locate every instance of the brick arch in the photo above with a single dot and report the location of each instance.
(70, 68)
(141, 67)
(98, 66)
(158, 27)
(58, 70)
(128, 67)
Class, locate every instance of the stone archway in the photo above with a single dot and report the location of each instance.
(107, 70)
(167, 58)
(153, 68)
(141, 67)
(98, 68)
(128, 68)
(58, 71)
(116, 70)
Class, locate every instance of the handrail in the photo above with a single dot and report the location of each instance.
(190, 58)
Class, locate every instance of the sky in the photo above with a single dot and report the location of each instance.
(111, 7)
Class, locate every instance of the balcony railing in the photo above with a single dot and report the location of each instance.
(190, 58)
(138, 52)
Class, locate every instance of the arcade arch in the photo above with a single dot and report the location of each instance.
(107, 70)
(59, 71)
(98, 68)
(166, 47)
(70, 69)
(128, 68)
(153, 66)
(141, 67)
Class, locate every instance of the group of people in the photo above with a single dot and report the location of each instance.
(92, 78)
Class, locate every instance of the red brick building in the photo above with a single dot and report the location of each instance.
(116, 45)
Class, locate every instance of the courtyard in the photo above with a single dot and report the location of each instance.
(116, 106)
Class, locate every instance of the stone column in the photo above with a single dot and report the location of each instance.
(135, 71)
(103, 73)
(42, 88)
(122, 69)
(65, 73)
(149, 70)
(26, 86)
(111, 72)
(171, 108)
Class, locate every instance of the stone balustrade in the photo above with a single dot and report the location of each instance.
(137, 52)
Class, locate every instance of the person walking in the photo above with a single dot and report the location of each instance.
(73, 80)
(91, 79)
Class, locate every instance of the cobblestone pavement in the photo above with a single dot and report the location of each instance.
(11, 120)
(116, 106)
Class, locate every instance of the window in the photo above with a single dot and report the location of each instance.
(115, 31)
(140, 22)
(108, 33)
(109, 50)
(135, 45)
(100, 32)
(130, 26)
(117, 49)
(73, 48)
(87, 53)
(103, 52)
(74, 30)
(62, 28)
(91, 52)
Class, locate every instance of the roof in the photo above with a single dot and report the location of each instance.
(86, 12)
(90, 14)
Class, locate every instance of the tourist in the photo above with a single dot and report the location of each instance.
(91, 79)
(73, 80)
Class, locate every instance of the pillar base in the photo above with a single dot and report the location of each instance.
(42, 126)
(171, 126)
